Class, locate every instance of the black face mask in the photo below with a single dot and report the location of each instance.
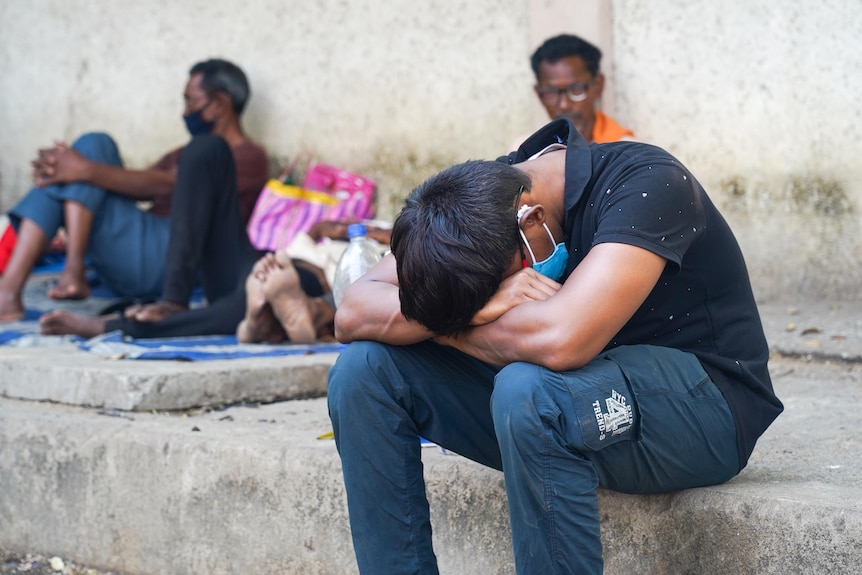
(195, 123)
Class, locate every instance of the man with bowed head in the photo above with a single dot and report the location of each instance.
(85, 188)
(574, 315)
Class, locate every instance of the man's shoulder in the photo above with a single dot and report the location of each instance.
(250, 148)
(629, 159)
(249, 152)
(606, 129)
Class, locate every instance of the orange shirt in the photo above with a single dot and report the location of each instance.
(607, 130)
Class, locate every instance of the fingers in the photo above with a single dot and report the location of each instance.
(336, 230)
(531, 285)
(541, 287)
(48, 156)
(526, 285)
(42, 180)
(44, 166)
(43, 170)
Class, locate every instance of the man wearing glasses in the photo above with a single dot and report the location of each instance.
(569, 84)
(574, 315)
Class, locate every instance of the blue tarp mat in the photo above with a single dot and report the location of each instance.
(202, 348)
(196, 348)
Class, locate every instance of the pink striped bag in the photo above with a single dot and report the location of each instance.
(327, 193)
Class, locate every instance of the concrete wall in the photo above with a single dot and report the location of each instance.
(758, 98)
(395, 89)
(761, 100)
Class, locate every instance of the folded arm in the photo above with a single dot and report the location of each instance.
(569, 329)
(62, 164)
(371, 310)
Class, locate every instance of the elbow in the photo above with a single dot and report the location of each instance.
(349, 319)
(564, 354)
(343, 327)
(560, 362)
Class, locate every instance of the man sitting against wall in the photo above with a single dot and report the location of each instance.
(86, 189)
(569, 84)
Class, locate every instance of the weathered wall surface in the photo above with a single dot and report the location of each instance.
(394, 89)
(762, 101)
(759, 98)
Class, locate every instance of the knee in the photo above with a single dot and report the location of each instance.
(530, 405)
(516, 401)
(353, 379)
(97, 146)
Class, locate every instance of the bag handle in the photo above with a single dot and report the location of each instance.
(287, 175)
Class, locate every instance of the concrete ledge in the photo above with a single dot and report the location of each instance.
(251, 490)
(62, 373)
(66, 374)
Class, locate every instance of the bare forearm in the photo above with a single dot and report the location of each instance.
(568, 330)
(499, 343)
(526, 334)
(135, 184)
(372, 312)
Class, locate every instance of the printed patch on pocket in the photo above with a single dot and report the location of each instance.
(609, 418)
(617, 417)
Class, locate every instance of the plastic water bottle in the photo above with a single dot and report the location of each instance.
(360, 256)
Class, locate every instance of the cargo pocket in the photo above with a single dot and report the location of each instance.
(604, 405)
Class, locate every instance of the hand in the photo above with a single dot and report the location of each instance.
(380, 235)
(526, 285)
(328, 229)
(43, 165)
(59, 165)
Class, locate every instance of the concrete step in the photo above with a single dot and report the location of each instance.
(132, 485)
(65, 374)
(53, 369)
(253, 490)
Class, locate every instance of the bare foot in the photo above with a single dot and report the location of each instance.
(133, 309)
(154, 312)
(290, 305)
(11, 307)
(259, 323)
(70, 286)
(62, 322)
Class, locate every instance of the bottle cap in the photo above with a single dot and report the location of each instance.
(354, 230)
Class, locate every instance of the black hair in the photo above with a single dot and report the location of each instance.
(453, 241)
(223, 76)
(563, 46)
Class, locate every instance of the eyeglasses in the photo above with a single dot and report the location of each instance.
(576, 92)
(517, 225)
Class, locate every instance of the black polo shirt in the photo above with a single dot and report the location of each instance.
(638, 194)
